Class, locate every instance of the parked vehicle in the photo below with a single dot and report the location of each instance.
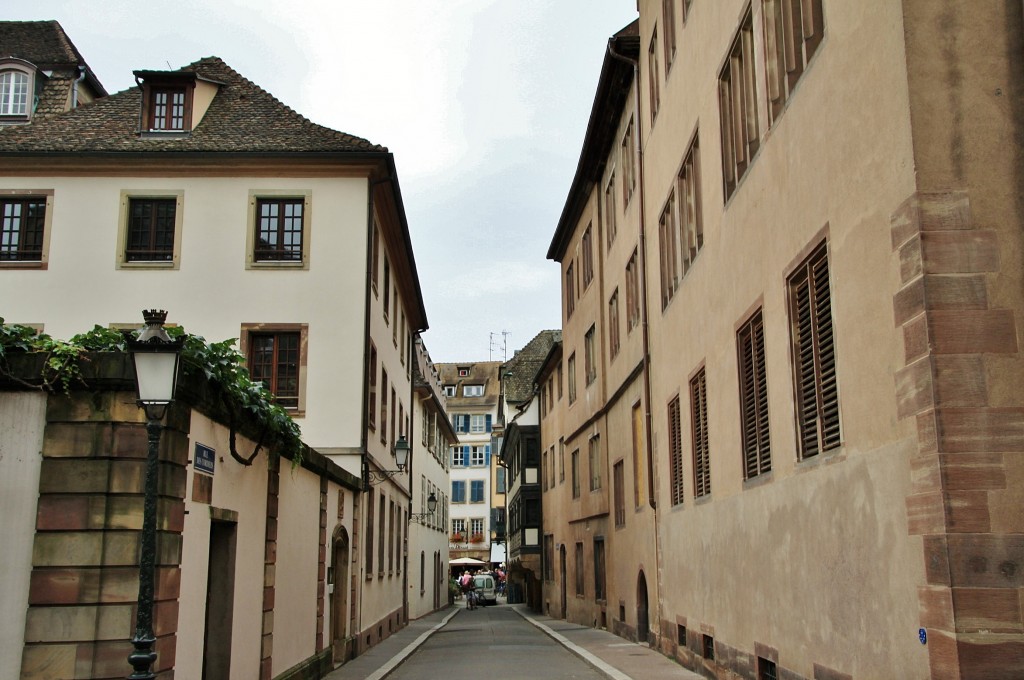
(486, 588)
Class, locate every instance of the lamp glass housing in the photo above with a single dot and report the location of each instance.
(431, 502)
(401, 452)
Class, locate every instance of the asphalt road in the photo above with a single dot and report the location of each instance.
(491, 643)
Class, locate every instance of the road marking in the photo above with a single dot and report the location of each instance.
(409, 649)
(596, 662)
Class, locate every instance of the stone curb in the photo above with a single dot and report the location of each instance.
(599, 664)
(397, 659)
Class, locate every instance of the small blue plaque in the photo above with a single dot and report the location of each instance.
(203, 459)
(922, 635)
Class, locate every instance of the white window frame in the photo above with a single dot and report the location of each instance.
(473, 390)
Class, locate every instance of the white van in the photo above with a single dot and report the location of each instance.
(486, 588)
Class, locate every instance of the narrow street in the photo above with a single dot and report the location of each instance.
(492, 642)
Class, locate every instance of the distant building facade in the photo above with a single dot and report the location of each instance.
(472, 391)
(791, 339)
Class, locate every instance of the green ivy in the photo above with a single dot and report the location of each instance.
(219, 363)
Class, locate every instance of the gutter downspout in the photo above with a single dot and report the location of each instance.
(646, 333)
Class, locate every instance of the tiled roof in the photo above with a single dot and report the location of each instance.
(42, 43)
(520, 372)
(243, 117)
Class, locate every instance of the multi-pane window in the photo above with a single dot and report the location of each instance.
(595, 461)
(558, 375)
(368, 565)
(544, 470)
(599, 569)
(476, 491)
(590, 355)
(627, 152)
(632, 292)
(380, 535)
(668, 22)
(392, 516)
(375, 256)
(561, 461)
(480, 423)
(570, 290)
(618, 480)
(383, 405)
(167, 109)
(549, 557)
(572, 378)
(371, 411)
(575, 463)
(387, 289)
(737, 100)
(691, 221)
(499, 480)
(13, 93)
(639, 458)
(459, 454)
(150, 236)
(699, 424)
(476, 528)
(757, 454)
(675, 452)
(458, 526)
(810, 309)
(792, 32)
(580, 570)
(668, 253)
(394, 420)
(478, 455)
(610, 217)
(613, 324)
(21, 232)
(473, 391)
(279, 229)
(654, 77)
(274, 361)
(588, 256)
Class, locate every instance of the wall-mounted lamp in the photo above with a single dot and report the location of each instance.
(401, 452)
(421, 517)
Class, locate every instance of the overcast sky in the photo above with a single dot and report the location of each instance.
(484, 104)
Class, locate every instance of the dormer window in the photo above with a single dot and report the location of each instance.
(167, 109)
(167, 101)
(13, 93)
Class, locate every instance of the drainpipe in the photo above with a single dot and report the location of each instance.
(649, 448)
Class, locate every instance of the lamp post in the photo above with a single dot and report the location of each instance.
(155, 357)
(372, 477)
(421, 517)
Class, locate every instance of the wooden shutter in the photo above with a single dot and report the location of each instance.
(754, 398)
(699, 416)
(814, 348)
(675, 447)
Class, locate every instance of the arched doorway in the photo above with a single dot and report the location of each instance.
(561, 576)
(339, 594)
(642, 623)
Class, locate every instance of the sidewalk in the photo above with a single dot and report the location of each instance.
(378, 661)
(617, 658)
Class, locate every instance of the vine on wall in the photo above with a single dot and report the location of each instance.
(218, 363)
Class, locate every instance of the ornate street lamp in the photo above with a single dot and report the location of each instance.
(373, 477)
(155, 357)
(421, 517)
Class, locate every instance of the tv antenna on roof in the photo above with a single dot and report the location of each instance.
(499, 344)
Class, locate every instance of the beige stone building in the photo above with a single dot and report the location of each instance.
(428, 530)
(200, 193)
(795, 261)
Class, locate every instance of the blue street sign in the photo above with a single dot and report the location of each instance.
(202, 461)
(922, 635)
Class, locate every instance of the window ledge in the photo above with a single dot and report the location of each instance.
(701, 500)
(758, 480)
(824, 458)
(153, 264)
(275, 264)
(164, 134)
(23, 264)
